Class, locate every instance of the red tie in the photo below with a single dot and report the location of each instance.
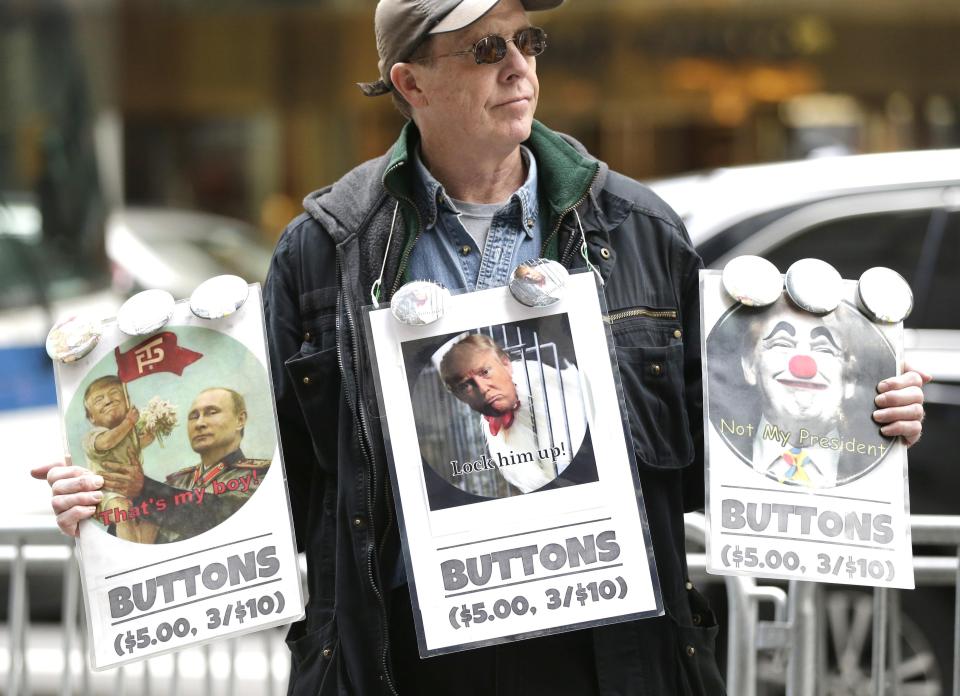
(498, 423)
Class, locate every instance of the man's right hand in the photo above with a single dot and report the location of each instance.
(75, 493)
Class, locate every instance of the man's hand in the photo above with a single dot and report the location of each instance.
(123, 479)
(75, 493)
(900, 403)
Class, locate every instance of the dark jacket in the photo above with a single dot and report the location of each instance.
(322, 274)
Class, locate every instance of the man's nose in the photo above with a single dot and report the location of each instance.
(515, 62)
(802, 367)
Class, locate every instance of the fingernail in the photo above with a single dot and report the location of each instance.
(879, 399)
(98, 480)
(882, 387)
(876, 413)
(885, 430)
(97, 495)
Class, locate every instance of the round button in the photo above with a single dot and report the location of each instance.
(219, 296)
(419, 302)
(656, 369)
(327, 652)
(145, 312)
(604, 253)
(306, 380)
(677, 333)
(538, 282)
(358, 522)
(307, 337)
(465, 250)
(71, 339)
(752, 281)
(691, 651)
(697, 620)
(884, 295)
(689, 585)
(814, 285)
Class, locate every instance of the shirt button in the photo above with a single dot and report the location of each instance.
(327, 652)
(306, 380)
(465, 250)
(529, 222)
(656, 369)
(604, 253)
(678, 333)
(691, 651)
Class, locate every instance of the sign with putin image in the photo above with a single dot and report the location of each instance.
(192, 538)
(801, 484)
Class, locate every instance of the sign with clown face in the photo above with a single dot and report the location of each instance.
(800, 482)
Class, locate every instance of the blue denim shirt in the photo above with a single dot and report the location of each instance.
(514, 236)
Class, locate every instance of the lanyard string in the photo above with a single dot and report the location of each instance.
(583, 249)
(375, 290)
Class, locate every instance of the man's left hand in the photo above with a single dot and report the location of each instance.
(900, 405)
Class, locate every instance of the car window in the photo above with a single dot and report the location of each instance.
(922, 245)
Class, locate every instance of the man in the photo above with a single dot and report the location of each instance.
(519, 414)
(465, 71)
(811, 393)
(215, 426)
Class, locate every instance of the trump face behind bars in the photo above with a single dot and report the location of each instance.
(527, 409)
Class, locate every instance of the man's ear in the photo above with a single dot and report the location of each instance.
(242, 419)
(749, 371)
(403, 77)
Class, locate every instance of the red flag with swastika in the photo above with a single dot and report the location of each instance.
(159, 353)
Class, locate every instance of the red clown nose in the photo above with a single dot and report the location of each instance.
(803, 366)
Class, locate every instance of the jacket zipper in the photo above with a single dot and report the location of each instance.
(566, 256)
(640, 312)
(366, 448)
(407, 248)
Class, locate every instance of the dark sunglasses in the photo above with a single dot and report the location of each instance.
(492, 49)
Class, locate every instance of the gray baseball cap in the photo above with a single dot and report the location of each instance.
(401, 26)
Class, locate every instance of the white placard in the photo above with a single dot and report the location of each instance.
(204, 552)
(800, 482)
(510, 534)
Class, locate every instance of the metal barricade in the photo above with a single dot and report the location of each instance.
(796, 634)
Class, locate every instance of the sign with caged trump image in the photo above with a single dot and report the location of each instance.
(800, 482)
(519, 503)
(193, 540)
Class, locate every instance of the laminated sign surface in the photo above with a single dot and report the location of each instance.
(192, 540)
(517, 494)
(800, 482)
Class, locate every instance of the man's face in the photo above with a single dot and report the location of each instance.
(106, 405)
(798, 365)
(482, 104)
(483, 381)
(213, 421)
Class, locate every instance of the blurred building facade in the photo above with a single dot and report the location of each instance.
(241, 107)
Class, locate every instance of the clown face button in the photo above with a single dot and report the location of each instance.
(752, 281)
(219, 297)
(884, 296)
(419, 302)
(538, 283)
(145, 312)
(814, 285)
(71, 339)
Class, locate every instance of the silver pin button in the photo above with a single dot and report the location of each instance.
(419, 302)
(814, 285)
(884, 295)
(219, 296)
(72, 339)
(145, 312)
(539, 282)
(752, 281)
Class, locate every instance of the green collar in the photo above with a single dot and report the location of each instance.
(565, 178)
